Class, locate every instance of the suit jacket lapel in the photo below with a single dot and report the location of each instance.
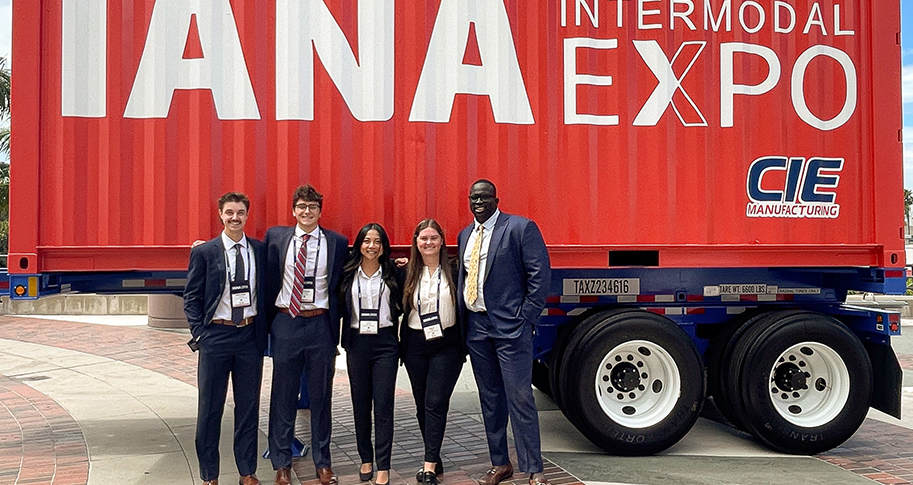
(331, 254)
(496, 237)
(464, 238)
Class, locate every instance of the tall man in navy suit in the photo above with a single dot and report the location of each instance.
(504, 280)
(227, 317)
(303, 267)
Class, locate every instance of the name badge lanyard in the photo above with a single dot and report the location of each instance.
(308, 293)
(368, 318)
(431, 322)
(240, 292)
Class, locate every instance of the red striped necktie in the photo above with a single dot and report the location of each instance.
(294, 307)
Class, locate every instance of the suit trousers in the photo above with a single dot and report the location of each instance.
(301, 345)
(503, 369)
(434, 367)
(372, 364)
(228, 352)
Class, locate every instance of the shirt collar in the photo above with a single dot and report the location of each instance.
(228, 243)
(489, 224)
(377, 274)
(300, 232)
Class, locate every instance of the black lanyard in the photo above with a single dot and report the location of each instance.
(419, 291)
(380, 294)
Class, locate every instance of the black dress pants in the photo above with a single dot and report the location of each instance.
(434, 367)
(301, 344)
(228, 352)
(372, 364)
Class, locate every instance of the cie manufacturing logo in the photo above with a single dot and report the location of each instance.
(801, 195)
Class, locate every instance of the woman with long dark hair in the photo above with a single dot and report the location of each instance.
(430, 342)
(372, 291)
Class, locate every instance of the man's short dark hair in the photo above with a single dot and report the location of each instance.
(307, 193)
(494, 190)
(234, 197)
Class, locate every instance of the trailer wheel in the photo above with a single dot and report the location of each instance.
(726, 369)
(566, 346)
(636, 385)
(807, 384)
(713, 360)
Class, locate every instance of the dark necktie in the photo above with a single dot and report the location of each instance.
(237, 314)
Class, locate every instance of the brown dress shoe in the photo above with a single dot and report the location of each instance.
(249, 480)
(214, 481)
(496, 474)
(326, 476)
(284, 476)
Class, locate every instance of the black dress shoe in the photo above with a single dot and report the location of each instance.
(438, 470)
(429, 478)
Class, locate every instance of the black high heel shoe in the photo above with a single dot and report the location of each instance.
(429, 478)
(366, 476)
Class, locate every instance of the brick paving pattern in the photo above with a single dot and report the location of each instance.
(39, 442)
(464, 451)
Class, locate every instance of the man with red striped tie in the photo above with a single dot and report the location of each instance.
(303, 269)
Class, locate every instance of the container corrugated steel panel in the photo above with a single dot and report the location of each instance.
(116, 192)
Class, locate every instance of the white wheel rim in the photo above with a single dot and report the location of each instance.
(658, 384)
(826, 387)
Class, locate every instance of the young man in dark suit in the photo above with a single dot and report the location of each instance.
(227, 317)
(304, 265)
(504, 280)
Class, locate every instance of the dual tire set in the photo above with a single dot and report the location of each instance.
(634, 383)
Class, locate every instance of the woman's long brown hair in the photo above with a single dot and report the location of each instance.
(414, 269)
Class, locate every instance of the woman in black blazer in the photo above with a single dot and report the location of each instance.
(430, 342)
(372, 290)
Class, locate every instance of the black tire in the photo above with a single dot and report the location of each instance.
(713, 356)
(540, 378)
(571, 341)
(837, 384)
(667, 402)
(728, 397)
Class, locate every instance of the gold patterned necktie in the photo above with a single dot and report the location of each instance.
(472, 291)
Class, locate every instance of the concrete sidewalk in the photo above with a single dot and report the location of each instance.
(115, 402)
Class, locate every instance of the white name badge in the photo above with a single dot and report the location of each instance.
(308, 292)
(367, 322)
(240, 295)
(431, 325)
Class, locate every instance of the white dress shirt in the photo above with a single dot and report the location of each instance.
(223, 310)
(479, 305)
(321, 283)
(370, 299)
(425, 300)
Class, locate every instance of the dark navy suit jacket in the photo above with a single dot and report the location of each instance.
(206, 282)
(277, 242)
(396, 304)
(517, 275)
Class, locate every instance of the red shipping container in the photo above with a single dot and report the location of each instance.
(638, 131)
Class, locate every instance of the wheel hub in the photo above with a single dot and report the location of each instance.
(638, 384)
(809, 384)
(625, 377)
(790, 378)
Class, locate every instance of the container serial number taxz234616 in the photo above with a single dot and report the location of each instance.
(601, 286)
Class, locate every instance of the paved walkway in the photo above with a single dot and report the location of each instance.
(90, 404)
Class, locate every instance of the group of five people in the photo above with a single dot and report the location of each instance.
(303, 280)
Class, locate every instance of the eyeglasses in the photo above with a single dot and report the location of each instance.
(311, 207)
(480, 198)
